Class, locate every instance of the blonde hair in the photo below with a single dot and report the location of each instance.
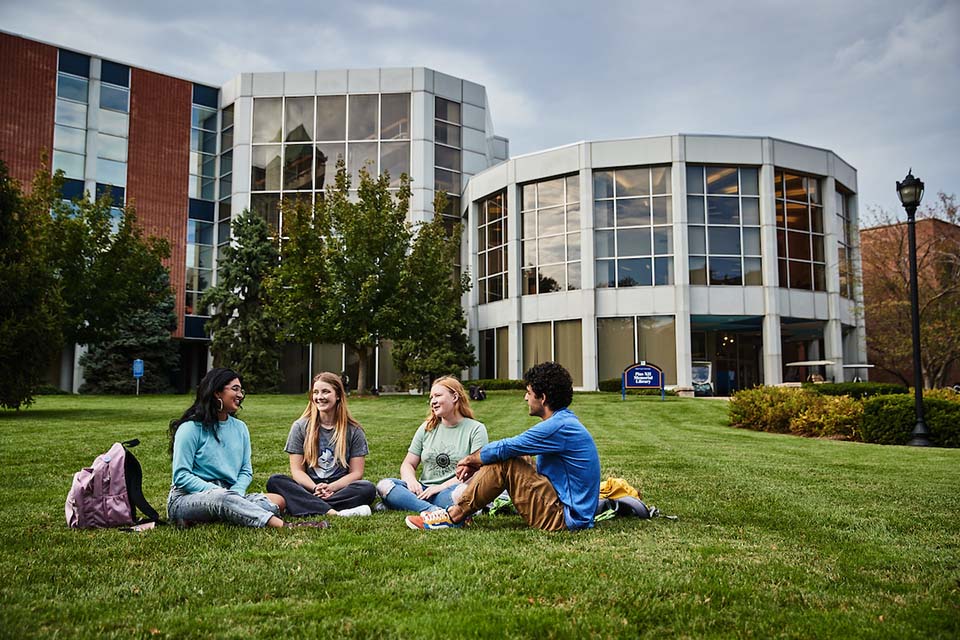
(341, 428)
(463, 401)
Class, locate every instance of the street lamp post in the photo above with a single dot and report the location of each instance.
(911, 192)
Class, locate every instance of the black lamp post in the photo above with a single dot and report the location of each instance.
(911, 192)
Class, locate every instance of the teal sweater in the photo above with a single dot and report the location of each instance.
(201, 463)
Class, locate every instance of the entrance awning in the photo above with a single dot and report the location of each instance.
(810, 363)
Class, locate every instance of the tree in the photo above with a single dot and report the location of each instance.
(886, 293)
(31, 315)
(243, 325)
(435, 341)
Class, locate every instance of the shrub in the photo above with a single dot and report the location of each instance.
(890, 420)
(613, 385)
(831, 416)
(51, 390)
(496, 384)
(768, 408)
(856, 389)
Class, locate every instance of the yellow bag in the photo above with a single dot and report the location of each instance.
(617, 488)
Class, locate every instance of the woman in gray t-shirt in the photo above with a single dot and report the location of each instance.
(327, 450)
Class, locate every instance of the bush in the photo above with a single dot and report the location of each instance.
(830, 416)
(613, 385)
(496, 384)
(890, 420)
(768, 408)
(51, 390)
(856, 389)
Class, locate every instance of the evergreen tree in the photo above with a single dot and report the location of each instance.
(31, 315)
(243, 324)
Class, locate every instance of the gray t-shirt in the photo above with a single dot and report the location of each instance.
(327, 469)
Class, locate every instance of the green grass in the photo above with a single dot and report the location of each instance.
(777, 536)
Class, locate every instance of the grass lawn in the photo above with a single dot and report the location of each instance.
(777, 536)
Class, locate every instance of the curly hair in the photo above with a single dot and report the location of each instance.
(551, 380)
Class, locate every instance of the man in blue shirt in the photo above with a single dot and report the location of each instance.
(561, 492)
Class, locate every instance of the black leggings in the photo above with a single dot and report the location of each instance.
(301, 502)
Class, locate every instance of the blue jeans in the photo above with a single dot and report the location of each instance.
(216, 505)
(402, 499)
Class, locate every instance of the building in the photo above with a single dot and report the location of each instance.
(739, 252)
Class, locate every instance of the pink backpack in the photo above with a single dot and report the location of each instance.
(108, 493)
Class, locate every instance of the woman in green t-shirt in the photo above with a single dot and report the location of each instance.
(448, 434)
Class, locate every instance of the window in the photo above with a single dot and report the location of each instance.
(70, 130)
(199, 264)
(800, 252)
(494, 353)
(723, 225)
(624, 341)
(550, 219)
(447, 156)
(847, 234)
(633, 218)
(560, 341)
(492, 248)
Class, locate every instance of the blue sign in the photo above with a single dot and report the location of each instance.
(138, 368)
(641, 376)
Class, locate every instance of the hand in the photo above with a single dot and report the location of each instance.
(323, 490)
(466, 468)
(429, 492)
(415, 487)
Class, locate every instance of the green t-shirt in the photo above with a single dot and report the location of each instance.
(441, 449)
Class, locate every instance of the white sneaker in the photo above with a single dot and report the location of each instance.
(362, 510)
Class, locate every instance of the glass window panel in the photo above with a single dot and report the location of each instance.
(749, 181)
(663, 271)
(615, 346)
(750, 210)
(112, 147)
(603, 213)
(633, 242)
(447, 180)
(634, 272)
(550, 221)
(111, 172)
(482, 265)
(550, 193)
(267, 206)
(752, 272)
(495, 289)
(605, 272)
(363, 117)
(226, 186)
(573, 217)
(70, 163)
(573, 246)
(495, 261)
(662, 240)
(530, 253)
(724, 240)
(551, 250)
(633, 182)
(819, 277)
(72, 88)
(721, 180)
(800, 275)
(781, 243)
(226, 139)
(265, 168)
(528, 198)
(633, 212)
(199, 232)
(205, 141)
(331, 118)
(568, 348)
(445, 133)
(657, 344)
(529, 284)
(816, 219)
(446, 157)
(799, 248)
(817, 248)
(395, 160)
(327, 156)
(115, 98)
(698, 270)
(725, 271)
(751, 241)
(363, 154)
(71, 114)
(204, 256)
(723, 210)
(604, 244)
(663, 210)
(298, 166)
(660, 177)
(495, 234)
(551, 278)
(223, 231)
(796, 188)
(529, 224)
(573, 188)
(226, 163)
(813, 187)
(695, 210)
(117, 124)
(602, 184)
(395, 116)
(447, 110)
(266, 119)
(299, 121)
(697, 240)
(782, 272)
(694, 179)
(573, 277)
(69, 139)
(781, 217)
(227, 120)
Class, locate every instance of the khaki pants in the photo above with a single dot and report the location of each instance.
(532, 494)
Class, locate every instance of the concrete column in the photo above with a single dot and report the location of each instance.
(588, 312)
(514, 277)
(681, 265)
(471, 299)
(833, 331)
(861, 330)
(772, 356)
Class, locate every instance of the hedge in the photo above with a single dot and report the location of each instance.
(890, 420)
(496, 384)
(769, 408)
(856, 389)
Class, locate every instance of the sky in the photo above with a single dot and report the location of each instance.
(875, 81)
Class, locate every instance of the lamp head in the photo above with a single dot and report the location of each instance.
(910, 192)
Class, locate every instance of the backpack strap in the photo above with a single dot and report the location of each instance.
(134, 474)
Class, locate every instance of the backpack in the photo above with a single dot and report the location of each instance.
(109, 493)
(477, 392)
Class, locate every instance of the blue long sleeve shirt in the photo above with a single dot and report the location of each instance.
(201, 463)
(566, 455)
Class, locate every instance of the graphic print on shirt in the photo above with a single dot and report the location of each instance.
(326, 462)
(441, 460)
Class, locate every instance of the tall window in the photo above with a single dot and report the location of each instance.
(492, 248)
(114, 124)
(494, 350)
(560, 341)
(550, 212)
(226, 179)
(847, 233)
(199, 255)
(800, 232)
(70, 128)
(203, 143)
(623, 341)
(633, 218)
(723, 218)
(447, 156)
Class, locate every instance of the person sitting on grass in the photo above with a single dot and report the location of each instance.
(326, 448)
(211, 461)
(448, 434)
(561, 492)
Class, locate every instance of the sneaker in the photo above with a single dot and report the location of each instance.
(381, 506)
(428, 520)
(313, 524)
(362, 510)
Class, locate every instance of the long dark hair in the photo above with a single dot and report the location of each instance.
(206, 406)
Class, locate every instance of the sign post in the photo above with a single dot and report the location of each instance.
(138, 372)
(641, 375)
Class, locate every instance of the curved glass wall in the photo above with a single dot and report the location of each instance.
(550, 218)
(800, 252)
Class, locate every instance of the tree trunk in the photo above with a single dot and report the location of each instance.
(361, 369)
